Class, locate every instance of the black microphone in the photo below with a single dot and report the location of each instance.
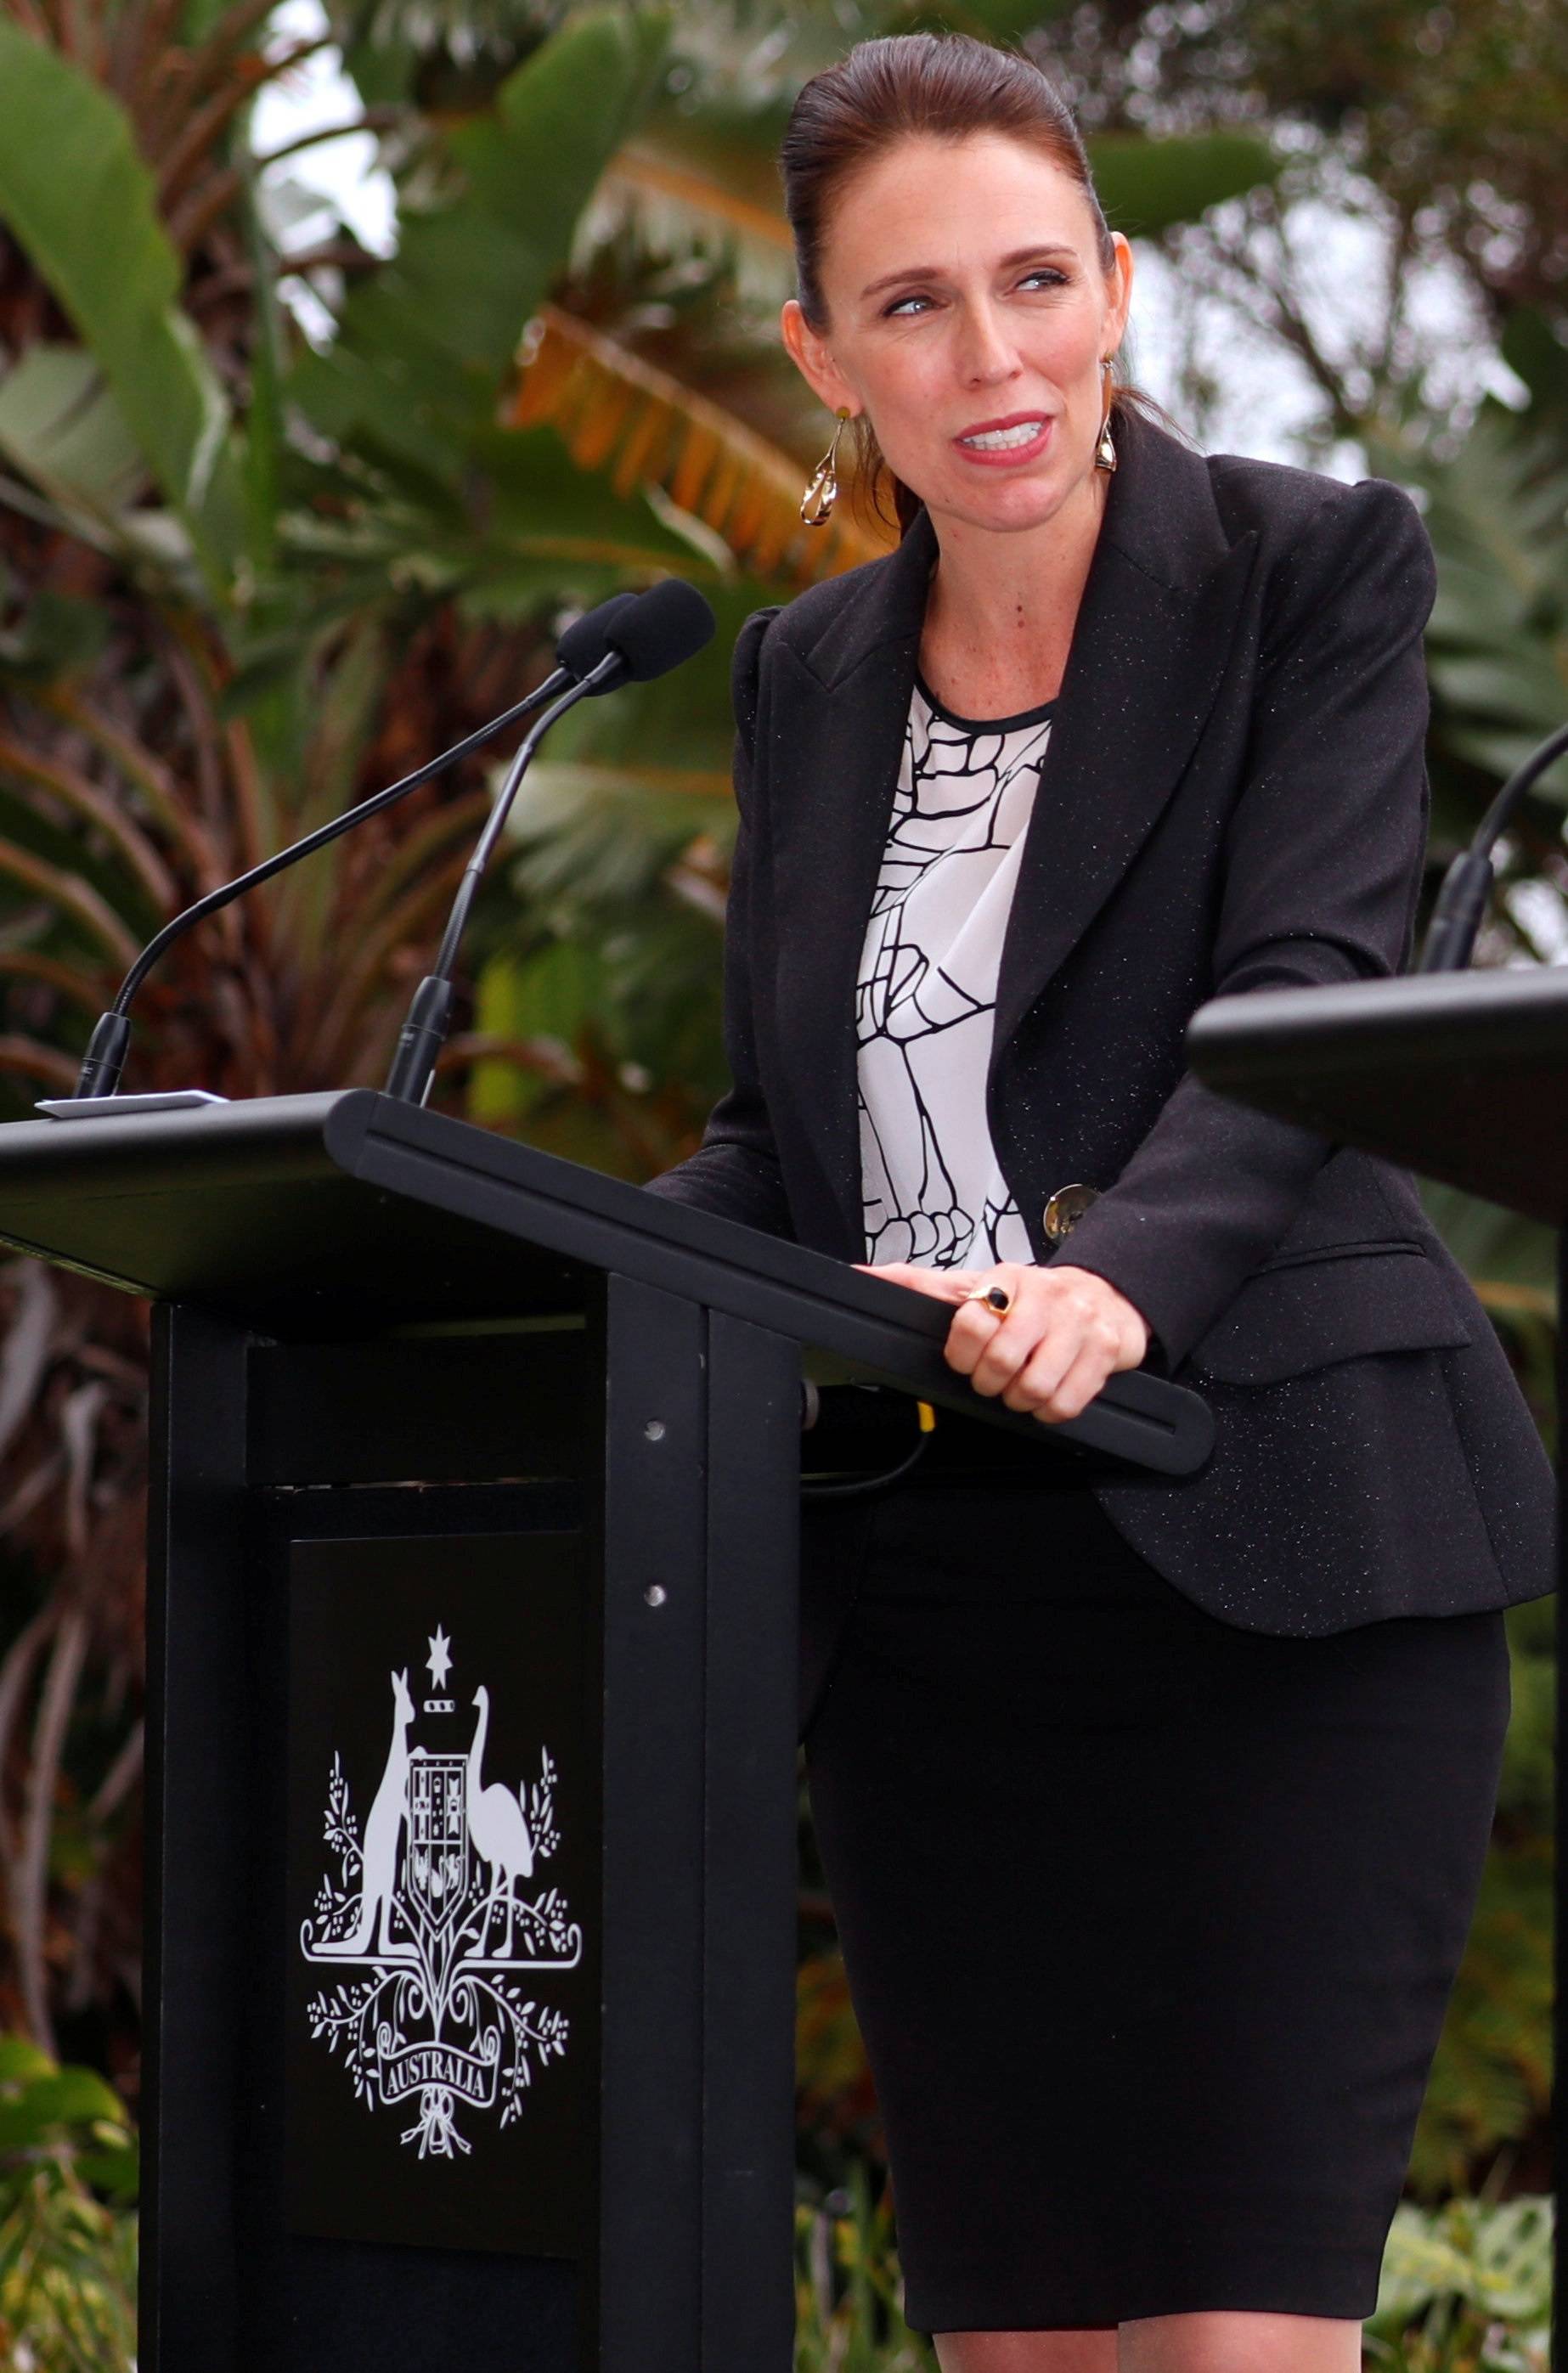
(587, 642)
(1467, 886)
(583, 647)
(668, 624)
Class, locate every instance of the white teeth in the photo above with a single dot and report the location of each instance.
(1000, 441)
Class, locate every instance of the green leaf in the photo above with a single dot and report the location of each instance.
(1534, 346)
(21, 2060)
(551, 994)
(1146, 185)
(57, 635)
(76, 196)
(63, 2097)
(62, 427)
(424, 346)
(116, 2170)
(262, 467)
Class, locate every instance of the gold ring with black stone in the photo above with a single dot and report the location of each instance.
(996, 1296)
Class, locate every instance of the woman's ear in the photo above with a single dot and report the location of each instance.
(811, 359)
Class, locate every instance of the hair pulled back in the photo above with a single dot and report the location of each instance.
(944, 85)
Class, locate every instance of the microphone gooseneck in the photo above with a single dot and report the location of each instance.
(654, 633)
(424, 1031)
(1467, 886)
(584, 647)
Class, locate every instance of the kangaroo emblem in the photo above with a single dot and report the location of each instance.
(388, 1816)
(426, 2015)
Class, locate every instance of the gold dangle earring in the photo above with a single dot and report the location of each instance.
(1104, 451)
(823, 491)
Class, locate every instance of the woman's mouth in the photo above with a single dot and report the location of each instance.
(1006, 442)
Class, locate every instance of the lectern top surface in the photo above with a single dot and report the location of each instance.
(346, 1210)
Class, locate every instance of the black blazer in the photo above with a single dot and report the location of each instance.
(1235, 796)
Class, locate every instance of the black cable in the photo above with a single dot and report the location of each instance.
(865, 1483)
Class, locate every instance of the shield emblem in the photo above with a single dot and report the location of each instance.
(438, 1835)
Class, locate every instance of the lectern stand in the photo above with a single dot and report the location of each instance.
(470, 1796)
(1461, 1075)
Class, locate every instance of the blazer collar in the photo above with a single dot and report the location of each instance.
(1149, 648)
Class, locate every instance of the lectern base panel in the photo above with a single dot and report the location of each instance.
(472, 1820)
(413, 2311)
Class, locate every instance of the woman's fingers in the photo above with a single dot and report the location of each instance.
(992, 1350)
(1047, 1356)
(1052, 1396)
(987, 1345)
(1026, 1356)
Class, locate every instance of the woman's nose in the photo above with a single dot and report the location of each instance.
(985, 353)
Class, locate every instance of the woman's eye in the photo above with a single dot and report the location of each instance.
(1047, 273)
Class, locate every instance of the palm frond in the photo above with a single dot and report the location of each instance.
(34, 1060)
(74, 899)
(64, 979)
(152, 777)
(1497, 642)
(618, 414)
(68, 788)
(639, 167)
(682, 200)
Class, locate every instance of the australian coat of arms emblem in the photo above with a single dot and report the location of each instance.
(436, 1919)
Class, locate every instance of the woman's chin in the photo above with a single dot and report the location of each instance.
(1008, 505)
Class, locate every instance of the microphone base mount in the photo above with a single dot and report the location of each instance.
(421, 1040)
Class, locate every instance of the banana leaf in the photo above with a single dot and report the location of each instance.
(80, 202)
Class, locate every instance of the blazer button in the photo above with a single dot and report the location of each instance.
(1065, 1206)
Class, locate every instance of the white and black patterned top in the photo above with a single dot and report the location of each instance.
(932, 1191)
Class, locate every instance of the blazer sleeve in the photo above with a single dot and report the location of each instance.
(1322, 868)
(735, 1171)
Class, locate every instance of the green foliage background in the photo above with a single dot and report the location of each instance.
(248, 574)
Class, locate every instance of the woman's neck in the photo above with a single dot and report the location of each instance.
(1001, 608)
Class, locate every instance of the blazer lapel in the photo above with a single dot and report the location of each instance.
(1150, 647)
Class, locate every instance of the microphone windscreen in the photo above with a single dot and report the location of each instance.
(668, 624)
(587, 639)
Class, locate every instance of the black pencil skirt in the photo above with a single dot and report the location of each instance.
(1149, 1922)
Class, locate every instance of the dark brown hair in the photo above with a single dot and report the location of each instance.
(945, 85)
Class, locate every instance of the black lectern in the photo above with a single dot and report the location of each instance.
(1459, 1074)
(471, 1729)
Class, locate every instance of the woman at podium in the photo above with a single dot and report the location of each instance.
(1153, 1809)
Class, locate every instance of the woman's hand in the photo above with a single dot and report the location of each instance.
(1066, 1331)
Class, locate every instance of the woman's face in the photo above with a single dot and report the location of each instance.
(968, 315)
